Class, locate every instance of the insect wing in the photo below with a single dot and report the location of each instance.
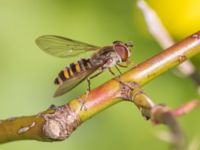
(63, 47)
(73, 82)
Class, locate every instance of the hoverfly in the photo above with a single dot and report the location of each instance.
(102, 58)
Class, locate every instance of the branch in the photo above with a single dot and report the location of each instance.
(57, 123)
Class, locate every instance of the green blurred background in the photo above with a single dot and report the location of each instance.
(27, 73)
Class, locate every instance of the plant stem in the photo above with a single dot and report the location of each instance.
(57, 123)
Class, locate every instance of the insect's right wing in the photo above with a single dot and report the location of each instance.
(69, 84)
(63, 47)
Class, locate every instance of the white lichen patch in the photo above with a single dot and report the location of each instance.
(60, 124)
(32, 125)
(52, 129)
(25, 129)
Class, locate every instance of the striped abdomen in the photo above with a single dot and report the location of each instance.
(73, 70)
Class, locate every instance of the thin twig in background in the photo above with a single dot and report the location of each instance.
(162, 36)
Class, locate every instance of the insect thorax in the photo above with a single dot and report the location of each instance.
(106, 57)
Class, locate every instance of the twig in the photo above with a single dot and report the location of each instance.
(57, 123)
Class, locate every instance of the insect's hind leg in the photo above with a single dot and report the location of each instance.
(89, 78)
(89, 87)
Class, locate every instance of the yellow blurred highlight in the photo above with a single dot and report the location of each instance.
(181, 17)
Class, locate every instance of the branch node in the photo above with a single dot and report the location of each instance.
(60, 124)
(126, 89)
(157, 113)
(132, 91)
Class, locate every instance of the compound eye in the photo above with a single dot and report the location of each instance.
(122, 51)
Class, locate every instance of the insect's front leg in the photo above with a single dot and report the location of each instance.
(118, 69)
(126, 64)
(122, 65)
(110, 70)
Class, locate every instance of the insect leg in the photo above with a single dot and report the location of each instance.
(126, 64)
(82, 104)
(118, 69)
(122, 65)
(111, 71)
(89, 78)
(89, 84)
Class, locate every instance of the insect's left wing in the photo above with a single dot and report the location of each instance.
(63, 47)
(73, 82)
